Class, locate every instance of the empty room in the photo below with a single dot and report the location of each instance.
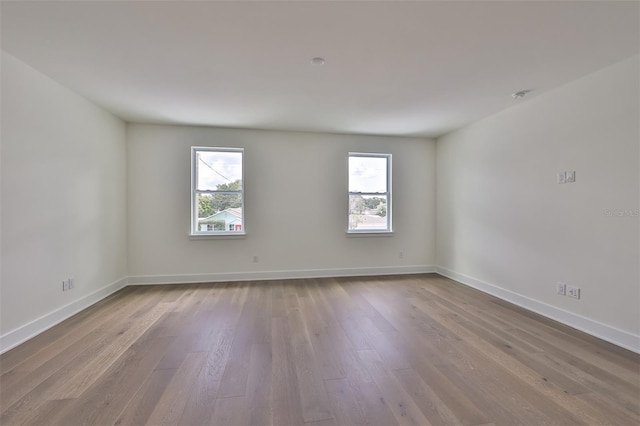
(320, 213)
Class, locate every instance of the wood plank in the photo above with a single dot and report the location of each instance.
(457, 365)
(278, 306)
(386, 344)
(329, 354)
(229, 411)
(258, 397)
(400, 402)
(28, 389)
(46, 345)
(100, 404)
(146, 399)
(86, 376)
(287, 407)
(200, 404)
(88, 332)
(426, 399)
(45, 414)
(589, 349)
(41, 344)
(169, 408)
(344, 402)
(374, 405)
(612, 411)
(234, 379)
(529, 377)
(313, 396)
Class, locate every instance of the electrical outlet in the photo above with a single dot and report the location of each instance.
(573, 292)
(72, 283)
(570, 177)
(68, 284)
(255, 259)
(561, 289)
(401, 255)
(562, 177)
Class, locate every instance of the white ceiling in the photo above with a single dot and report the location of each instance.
(392, 68)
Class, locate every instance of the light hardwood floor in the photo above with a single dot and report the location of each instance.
(376, 350)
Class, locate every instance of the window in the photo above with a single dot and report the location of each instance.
(217, 191)
(369, 192)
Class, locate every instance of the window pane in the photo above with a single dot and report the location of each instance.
(367, 174)
(217, 170)
(219, 212)
(368, 212)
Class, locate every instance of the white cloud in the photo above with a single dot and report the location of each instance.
(367, 174)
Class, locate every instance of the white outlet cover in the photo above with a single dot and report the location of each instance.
(570, 177)
(562, 177)
(561, 288)
(573, 292)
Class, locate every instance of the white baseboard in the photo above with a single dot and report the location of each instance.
(278, 275)
(45, 322)
(602, 331)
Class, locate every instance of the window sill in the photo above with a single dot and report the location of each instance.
(370, 234)
(221, 236)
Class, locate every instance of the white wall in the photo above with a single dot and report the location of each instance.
(506, 226)
(295, 205)
(63, 198)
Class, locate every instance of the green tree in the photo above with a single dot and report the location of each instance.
(205, 205)
(225, 201)
(233, 186)
(373, 202)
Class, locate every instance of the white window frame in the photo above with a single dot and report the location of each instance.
(194, 231)
(389, 228)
